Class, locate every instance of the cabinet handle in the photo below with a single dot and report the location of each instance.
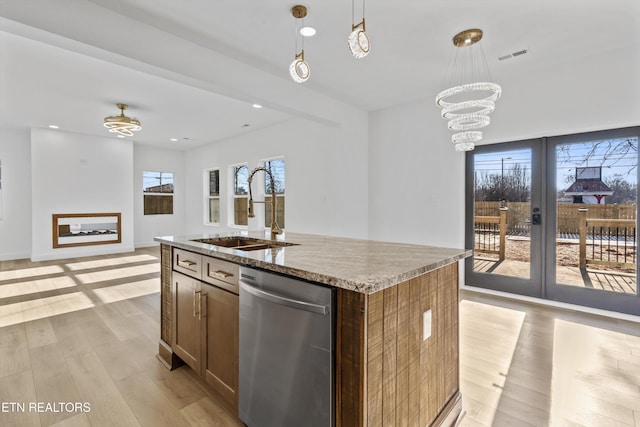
(186, 263)
(219, 274)
(194, 302)
(200, 315)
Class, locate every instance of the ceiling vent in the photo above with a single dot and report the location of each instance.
(512, 55)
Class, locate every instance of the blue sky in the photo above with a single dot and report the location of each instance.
(615, 156)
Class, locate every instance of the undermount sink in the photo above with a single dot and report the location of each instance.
(243, 243)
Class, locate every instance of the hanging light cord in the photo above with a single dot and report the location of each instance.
(297, 31)
(353, 11)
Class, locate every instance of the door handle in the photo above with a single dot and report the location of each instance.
(196, 293)
(200, 315)
(279, 299)
(536, 217)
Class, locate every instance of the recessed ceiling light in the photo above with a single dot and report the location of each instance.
(257, 106)
(54, 126)
(120, 136)
(307, 31)
(173, 139)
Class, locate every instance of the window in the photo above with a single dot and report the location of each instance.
(276, 167)
(157, 188)
(240, 194)
(213, 196)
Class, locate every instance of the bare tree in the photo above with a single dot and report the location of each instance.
(514, 185)
(605, 153)
(623, 191)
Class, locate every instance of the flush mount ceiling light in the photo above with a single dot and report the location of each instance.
(299, 68)
(470, 97)
(122, 125)
(359, 44)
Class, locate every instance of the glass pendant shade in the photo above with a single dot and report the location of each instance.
(359, 43)
(467, 105)
(299, 70)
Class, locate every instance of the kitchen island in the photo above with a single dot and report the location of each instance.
(396, 335)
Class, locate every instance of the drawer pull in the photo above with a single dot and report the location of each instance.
(219, 274)
(186, 263)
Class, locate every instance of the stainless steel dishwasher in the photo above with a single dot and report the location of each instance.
(286, 351)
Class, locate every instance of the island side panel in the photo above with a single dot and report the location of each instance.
(350, 362)
(165, 352)
(165, 293)
(403, 379)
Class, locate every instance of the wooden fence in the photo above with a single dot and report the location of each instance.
(518, 220)
(490, 233)
(604, 241)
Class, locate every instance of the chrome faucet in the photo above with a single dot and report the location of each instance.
(275, 230)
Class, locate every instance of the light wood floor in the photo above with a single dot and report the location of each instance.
(529, 365)
(87, 330)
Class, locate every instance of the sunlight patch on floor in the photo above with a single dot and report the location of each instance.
(30, 272)
(35, 286)
(580, 353)
(108, 262)
(12, 314)
(127, 291)
(496, 331)
(119, 273)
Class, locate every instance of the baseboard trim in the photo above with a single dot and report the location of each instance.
(14, 256)
(451, 414)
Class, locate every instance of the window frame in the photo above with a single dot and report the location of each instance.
(233, 196)
(267, 194)
(158, 193)
(208, 197)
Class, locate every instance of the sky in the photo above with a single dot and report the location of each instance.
(615, 156)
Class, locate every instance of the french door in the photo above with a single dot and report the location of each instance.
(556, 218)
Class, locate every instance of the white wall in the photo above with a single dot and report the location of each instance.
(325, 174)
(601, 94)
(15, 221)
(416, 179)
(73, 173)
(146, 227)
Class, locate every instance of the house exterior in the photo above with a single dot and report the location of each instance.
(588, 187)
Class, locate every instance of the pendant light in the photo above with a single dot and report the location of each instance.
(299, 68)
(470, 97)
(358, 40)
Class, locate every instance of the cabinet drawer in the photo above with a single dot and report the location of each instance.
(187, 263)
(222, 274)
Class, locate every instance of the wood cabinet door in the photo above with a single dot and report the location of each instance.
(186, 326)
(220, 338)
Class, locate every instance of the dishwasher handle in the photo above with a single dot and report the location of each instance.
(278, 299)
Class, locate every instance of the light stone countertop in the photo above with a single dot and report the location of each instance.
(365, 266)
